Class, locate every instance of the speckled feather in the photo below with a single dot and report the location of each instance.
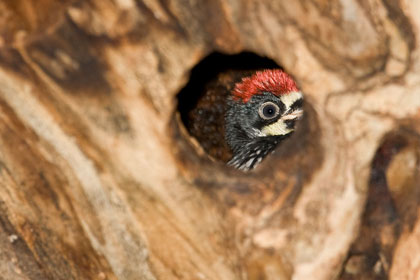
(254, 152)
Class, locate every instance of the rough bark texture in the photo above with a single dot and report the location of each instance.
(100, 180)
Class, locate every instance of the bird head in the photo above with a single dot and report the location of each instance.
(262, 110)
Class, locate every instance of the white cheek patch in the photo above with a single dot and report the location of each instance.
(277, 128)
(290, 98)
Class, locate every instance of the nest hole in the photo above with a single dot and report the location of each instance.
(202, 102)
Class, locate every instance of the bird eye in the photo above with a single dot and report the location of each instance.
(268, 110)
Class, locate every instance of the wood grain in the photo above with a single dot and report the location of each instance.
(99, 179)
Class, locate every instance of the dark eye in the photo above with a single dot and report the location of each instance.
(268, 110)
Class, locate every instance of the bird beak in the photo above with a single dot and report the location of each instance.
(280, 127)
(294, 115)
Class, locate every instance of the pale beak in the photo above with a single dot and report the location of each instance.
(295, 115)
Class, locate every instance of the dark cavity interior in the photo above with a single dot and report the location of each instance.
(202, 101)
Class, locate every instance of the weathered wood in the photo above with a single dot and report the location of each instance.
(99, 179)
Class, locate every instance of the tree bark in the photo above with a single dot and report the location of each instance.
(99, 179)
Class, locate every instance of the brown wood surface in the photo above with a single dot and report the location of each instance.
(99, 179)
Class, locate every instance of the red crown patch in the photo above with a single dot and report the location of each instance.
(275, 81)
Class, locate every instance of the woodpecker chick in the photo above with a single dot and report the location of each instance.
(261, 112)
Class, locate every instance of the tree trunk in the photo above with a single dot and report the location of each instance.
(99, 179)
